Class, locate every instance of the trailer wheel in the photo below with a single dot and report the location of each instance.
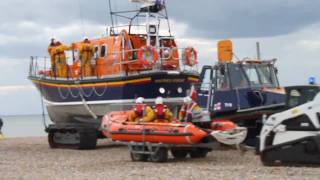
(161, 155)
(51, 141)
(137, 156)
(199, 153)
(88, 140)
(179, 154)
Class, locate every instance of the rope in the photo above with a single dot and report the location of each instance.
(104, 91)
(42, 107)
(61, 95)
(233, 137)
(85, 103)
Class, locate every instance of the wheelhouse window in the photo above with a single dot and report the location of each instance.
(237, 76)
(261, 75)
(222, 79)
(252, 75)
(103, 51)
(96, 52)
(206, 81)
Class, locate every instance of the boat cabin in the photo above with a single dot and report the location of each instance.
(247, 85)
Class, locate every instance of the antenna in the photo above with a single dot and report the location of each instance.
(258, 51)
(111, 17)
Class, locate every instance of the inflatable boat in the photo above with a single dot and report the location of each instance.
(116, 127)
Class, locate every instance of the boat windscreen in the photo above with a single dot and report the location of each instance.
(222, 79)
(237, 76)
(261, 75)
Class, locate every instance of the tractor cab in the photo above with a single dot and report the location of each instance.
(298, 95)
(242, 87)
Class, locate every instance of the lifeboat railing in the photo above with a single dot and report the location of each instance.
(40, 66)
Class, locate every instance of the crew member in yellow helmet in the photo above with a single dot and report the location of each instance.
(86, 53)
(52, 45)
(141, 112)
(58, 52)
(162, 112)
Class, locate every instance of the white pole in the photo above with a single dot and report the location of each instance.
(258, 51)
(148, 24)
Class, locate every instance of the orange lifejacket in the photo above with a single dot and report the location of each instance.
(160, 111)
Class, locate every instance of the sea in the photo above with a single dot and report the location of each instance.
(24, 126)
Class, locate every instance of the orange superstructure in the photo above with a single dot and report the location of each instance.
(120, 53)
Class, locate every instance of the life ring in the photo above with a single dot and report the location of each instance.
(127, 45)
(190, 56)
(148, 55)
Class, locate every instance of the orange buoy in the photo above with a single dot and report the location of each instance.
(190, 56)
(223, 125)
(148, 55)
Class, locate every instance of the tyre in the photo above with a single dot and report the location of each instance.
(160, 156)
(179, 154)
(137, 156)
(51, 141)
(88, 140)
(199, 153)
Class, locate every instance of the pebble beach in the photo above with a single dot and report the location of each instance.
(31, 158)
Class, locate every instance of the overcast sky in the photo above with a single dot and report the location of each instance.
(287, 30)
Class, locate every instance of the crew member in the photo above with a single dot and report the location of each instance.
(52, 45)
(190, 111)
(162, 112)
(60, 59)
(86, 52)
(1, 124)
(141, 112)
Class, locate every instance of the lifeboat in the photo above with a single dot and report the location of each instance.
(82, 81)
(116, 127)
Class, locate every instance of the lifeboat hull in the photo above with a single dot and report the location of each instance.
(117, 128)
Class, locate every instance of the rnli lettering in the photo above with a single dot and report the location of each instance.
(169, 81)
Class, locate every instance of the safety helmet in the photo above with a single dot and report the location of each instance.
(139, 100)
(159, 100)
(187, 100)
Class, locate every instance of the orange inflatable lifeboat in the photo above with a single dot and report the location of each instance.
(116, 127)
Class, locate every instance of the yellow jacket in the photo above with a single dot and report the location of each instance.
(86, 52)
(149, 115)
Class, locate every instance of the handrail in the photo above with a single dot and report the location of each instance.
(40, 67)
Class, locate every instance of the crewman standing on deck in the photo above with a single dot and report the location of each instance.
(162, 112)
(1, 135)
(141, 112)
(86, 53)
(190, 111)
(52, 45)
(59, 55)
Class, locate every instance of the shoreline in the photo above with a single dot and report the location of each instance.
(31, 158)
